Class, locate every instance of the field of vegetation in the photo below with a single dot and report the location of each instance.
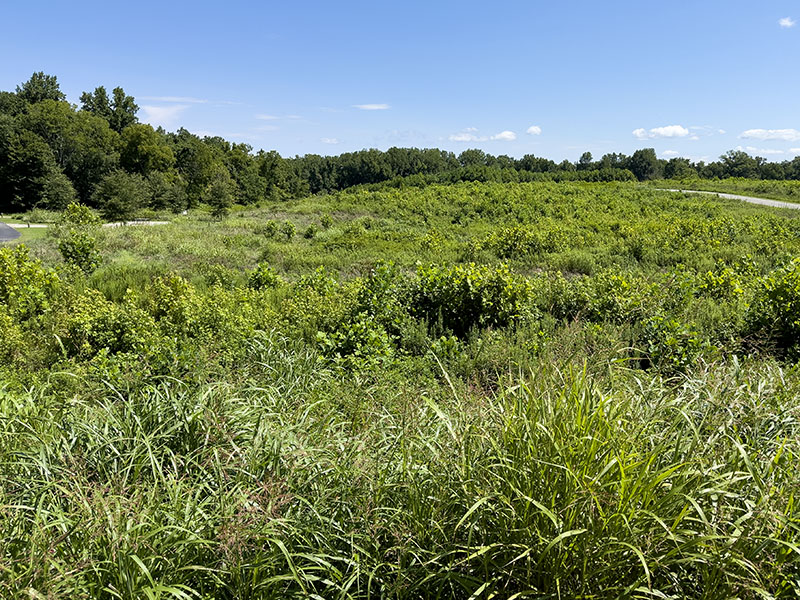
(468, 390)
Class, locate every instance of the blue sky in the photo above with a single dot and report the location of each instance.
(552, 79)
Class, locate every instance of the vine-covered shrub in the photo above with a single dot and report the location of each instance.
(263, 277)
(671, 346)
(361, 342)
(10, 336)
(607, 296)
(26, 287)
(93, 324)
(774, 315)
(80, 249)
(463, 297)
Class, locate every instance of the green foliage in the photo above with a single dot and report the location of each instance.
(143, 150)
(263, 277)
(774, 315)
(326, 221)
(673, 347)
(268, 229)
(80, 249)
(310, 232)
(120, 195)
(288, 229)
(358, 344)
(75, 214)
(462, 297)
(94, 325)
(26, 287)
(120, 111)
(220, 193)
(40, 87)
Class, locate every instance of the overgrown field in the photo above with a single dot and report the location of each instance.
(467, 391)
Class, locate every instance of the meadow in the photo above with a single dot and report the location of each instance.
(475, 390)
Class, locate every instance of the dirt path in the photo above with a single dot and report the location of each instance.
(750, 199)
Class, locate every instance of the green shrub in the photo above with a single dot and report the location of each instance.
(671, 346)
(93, 324)
(268, 229)
(326, 221)
(26, 287)
(462, 297)
(263, 277)
(310, 232)
(78, 214)
(218, 275)
(288, 229)
(120, 195)
(80, 249)
(10, 336)
(774, 315)
(358, 343)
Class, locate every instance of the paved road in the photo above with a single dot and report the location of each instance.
(750, 199)
(8, 233)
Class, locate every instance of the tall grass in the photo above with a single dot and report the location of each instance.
(302, 484)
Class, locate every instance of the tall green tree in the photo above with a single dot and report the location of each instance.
(40, 87)
(143, 150)
(84, 145)
(120, 110)
(220, 193)
(644, 164)
(119, 195)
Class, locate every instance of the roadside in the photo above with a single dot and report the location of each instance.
(750, 199)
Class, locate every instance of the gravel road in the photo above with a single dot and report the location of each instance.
(750, 199)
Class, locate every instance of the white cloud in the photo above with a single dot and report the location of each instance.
(694, 138)
(470, 135)
(180, 99)
(506, 136)
(329, 140)
(267, 117)
(466, 136)
(371, 106)
(721, 131)
(761, 151)
(794, 150)
(668, 131)
(164, 116)
(534, 130)
(787, 22)
(670, 153)
(786, 135)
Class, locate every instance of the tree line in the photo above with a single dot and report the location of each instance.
(53, 153)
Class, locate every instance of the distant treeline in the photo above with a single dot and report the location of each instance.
(52, 153)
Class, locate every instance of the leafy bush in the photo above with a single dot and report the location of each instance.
(358, 343)
(671, 346)
(774, 315)
(120, 195)
(76, 214)
(268, 229)
(326, 221)
(310, 232)
(288, 229)
(26, 287)
(263, 277)
(462, 297)
(80, 249)
(93, 324)
(10, 336)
